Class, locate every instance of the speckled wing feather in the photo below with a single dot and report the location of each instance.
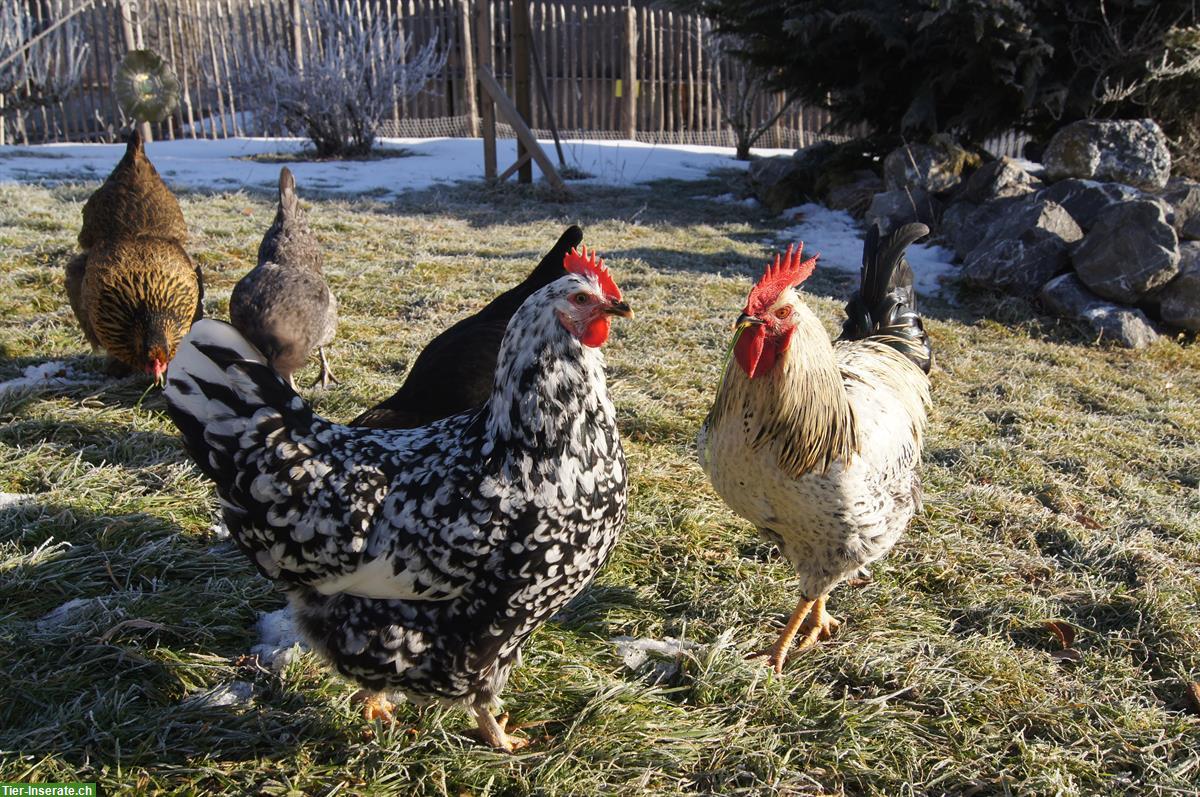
(314, 503)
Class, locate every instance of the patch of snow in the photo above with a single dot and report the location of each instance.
(41, 377)
(61, 615)
(234, 693)
(14, 499)
(732, 199)
(637, 652)
(838, 238)
(279, 637)
(219, 529)
(222, 165)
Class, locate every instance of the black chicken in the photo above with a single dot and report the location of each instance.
(454, 372)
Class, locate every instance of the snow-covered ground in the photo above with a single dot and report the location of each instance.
(222, 165)
(838, 238)
(39, 378)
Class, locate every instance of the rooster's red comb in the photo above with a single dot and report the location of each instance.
(586, 264)
(784, 272)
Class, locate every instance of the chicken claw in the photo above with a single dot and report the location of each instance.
(494, 731)
(375, 706)
(326, 376)
(811, 618)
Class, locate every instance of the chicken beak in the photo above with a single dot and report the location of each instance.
(619, 308)
(745, 321)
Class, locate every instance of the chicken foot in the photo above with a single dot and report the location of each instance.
(326, 376)
(811, 618)
(375, 706)
(494, 731)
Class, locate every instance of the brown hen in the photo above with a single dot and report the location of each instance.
(134, 289)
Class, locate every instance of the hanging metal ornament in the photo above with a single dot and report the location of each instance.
(146, 86)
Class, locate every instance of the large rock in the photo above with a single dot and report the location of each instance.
(1179, 299)
(964, 225)
(1023, 249)
(1130, 151)
(998, 180)
(1129, 252)
(1184, 198)
(855, 195)
(777, 183)
(925, 167)
(1066, 296)
(892, 209)
(1085, 200)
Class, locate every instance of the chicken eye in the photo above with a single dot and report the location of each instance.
(580, 299)
(783, 312)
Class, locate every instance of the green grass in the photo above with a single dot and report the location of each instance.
(1061, 482)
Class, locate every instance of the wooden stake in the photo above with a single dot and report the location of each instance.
(131, 44)
(524, 97)
(483, 38)
(524, 135)
(469, 77)
(630, 117)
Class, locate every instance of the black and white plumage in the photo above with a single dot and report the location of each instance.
(421, 560)
(283, 305)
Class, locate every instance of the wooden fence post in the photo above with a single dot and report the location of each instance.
(483, 39)
(524, 97)
(629, 130)
(297, 35)
(131, 43)
(469, 76)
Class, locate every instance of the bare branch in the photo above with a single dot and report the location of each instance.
(349, 82)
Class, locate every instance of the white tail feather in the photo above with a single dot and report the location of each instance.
(190, 364)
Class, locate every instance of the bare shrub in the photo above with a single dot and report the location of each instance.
(744, 96)
(37, 69)
(346, 85)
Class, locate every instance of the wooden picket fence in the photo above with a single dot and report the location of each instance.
(582, 47)
(582, 50)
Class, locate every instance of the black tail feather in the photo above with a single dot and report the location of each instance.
(886, 303)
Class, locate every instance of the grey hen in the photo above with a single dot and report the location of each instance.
(283, 306)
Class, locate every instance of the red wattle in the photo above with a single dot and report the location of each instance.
(596, 332)
(754, 353)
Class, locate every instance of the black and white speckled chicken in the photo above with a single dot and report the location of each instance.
(421, 560)
(816, 442)
(283, 305)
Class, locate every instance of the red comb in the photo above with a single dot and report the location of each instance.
(588, 265)
(785, 272)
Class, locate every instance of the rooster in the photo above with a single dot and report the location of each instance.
(818, 443)
(421, 560)
(454, 372)
(134, 290)
(283, 305)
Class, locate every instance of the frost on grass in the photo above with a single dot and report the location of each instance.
(279, 637)
(219, 530)
(14, 499)
(234, 693)
(39, 378)
(66, 613)
(838, 238)
(666, 654)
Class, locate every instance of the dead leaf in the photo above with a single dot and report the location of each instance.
(134, 623)
(1070, 654)
(1063, 632)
